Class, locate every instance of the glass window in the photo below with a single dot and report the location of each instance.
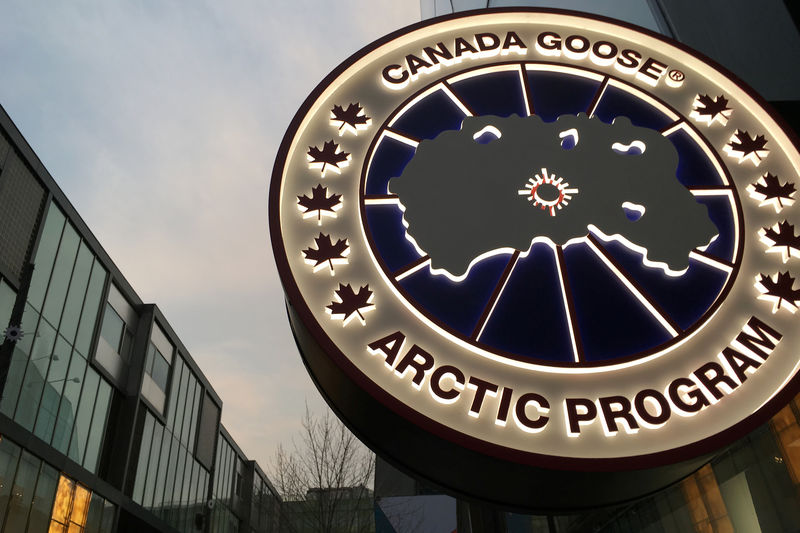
(69, 403)
(91, 306)
(144, 455)
(62, 506)
(62, 272)
(43, 498)
(160, 370)
(19, 361)
(158, 498)
(188, 412)
(152, 469)
(80, 434)
(169, 489)
(95, 514)
(45, 255)
(71, 506)
(9, 457)
(194, 421)
(207, 431)
(51, 396)
(22, 492)
(98, 426)
(77, 291)
(112, 328)
(181, 405)
(33, 382)
(173, 393)
(109, 509)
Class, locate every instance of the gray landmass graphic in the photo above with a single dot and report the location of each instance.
(462, 198)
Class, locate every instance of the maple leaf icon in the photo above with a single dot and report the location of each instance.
(353, 119)
(745, 148)
(327, 253)
(778, 289)
(331, 157)
(710, 110)
(780, 238)
(319, 204)
(349, 304)
(769, 190)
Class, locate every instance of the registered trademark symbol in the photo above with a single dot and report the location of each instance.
(675, 78)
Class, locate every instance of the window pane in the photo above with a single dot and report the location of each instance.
(90, 307)
(9, 457)
(80, 505)
(108, 517)
(152, 469)
(45, 255)
(33, 383)
(173, 393)
(193, 421)
(43, 499)
(77, 290)
(55, 527)
(160, 371)
(181, 403)
(172, 467)
(144, 455)
(19, 361)
(80, 434)
(95, 514)
(22, 492)
(158, 498)
(112, 327)
(98, 427)
(62, 271)
(51, 395)
(69, 403)
(187, 415)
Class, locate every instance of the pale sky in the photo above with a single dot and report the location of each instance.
(160, 120)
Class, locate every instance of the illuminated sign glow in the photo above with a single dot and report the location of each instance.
(567, 243)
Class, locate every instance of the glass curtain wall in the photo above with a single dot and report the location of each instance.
(51, 390)
(170, 481)
(264, 510)
(225, 518)
(35, 497)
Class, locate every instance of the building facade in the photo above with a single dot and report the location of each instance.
(106, 422)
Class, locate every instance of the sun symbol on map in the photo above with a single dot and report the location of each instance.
(548, 192)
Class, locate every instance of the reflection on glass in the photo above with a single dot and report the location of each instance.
(52, 390)
(45, 255)
(91, 306)
(109, 510)
(43, 498)
(144, 456)
(62, 271)
(9, 457)
(85, 410)
(69, 403)
(112, 327)
(98, 426)
(95, 514)
(33, 382)
(77, 290)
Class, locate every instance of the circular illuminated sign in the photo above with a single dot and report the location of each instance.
(540, 244)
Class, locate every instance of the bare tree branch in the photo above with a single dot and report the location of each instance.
(325, 480)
